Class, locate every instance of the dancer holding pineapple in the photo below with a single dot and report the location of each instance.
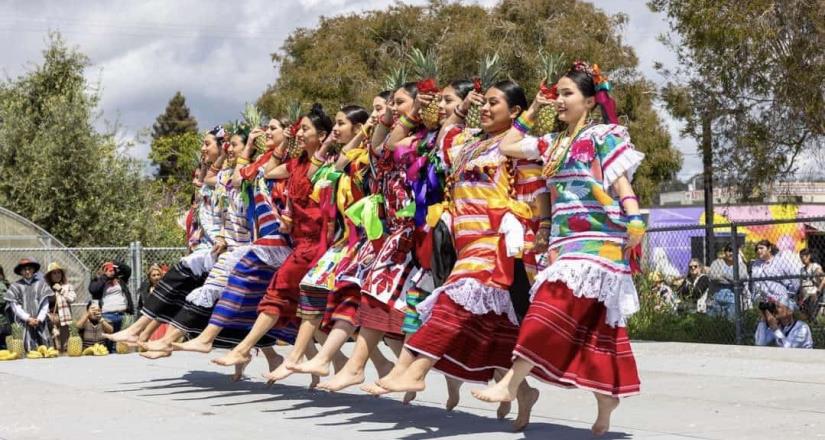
(574, 332)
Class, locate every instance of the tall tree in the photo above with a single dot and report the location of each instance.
(748, 85)
(55, 168)
(172, 135)
(345, 58)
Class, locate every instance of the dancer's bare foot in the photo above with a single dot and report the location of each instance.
(279, 373)
(499, 392)
(525, 401)
(402, 383)
(156, 354)
(606, 406)
(343, 379)
(274, 360)
(239, 369)
(314, 382)
(159, 345)
(503, 409)
(197, 345)
(374, 389)
(453, 396)
(124, 335)
(314, 366)
(233, 358)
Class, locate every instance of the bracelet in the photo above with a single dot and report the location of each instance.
(522, 124)
(242, 161)
(636, 227)
(406, 122)
(315, 161)
(621, 202)
(364, 132)
(459, 113)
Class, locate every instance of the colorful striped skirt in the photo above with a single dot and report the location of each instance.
(572, 346)
(170, 294)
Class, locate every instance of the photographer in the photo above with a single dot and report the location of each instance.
(110, 289)
(779, 327)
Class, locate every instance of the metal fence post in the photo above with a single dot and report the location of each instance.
(135, 251)
(737, 285)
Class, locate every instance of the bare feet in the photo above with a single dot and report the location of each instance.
(274, 360)
(453, 396)
(373, 389)
(279, 373)
(503, 409)
(196, 345)
(343, 379)
(409, 396)
(526, 401)
(156, 354)
(606, 406)
(495, 393)
(239, 369)
(233, 358)
(159, 345)
(314, 382)
(314, 366)
(124, 335)
(402, 383)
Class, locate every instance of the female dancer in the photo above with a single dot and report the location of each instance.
(303, 219)
(469, 324)
(574, 334)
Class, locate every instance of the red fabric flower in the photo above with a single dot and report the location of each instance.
(427, 86)
(578, 223)
(583, 150)
(295, 127)
(542, 146)
(477, 85)
(549, 92)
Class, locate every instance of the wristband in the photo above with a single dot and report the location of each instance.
(316, 161)
(636, 227)
(628, 198)
(406, 122)
(242, 161)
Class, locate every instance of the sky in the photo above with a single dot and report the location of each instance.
(143, 52)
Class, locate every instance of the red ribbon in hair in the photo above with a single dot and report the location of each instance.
(608, 106)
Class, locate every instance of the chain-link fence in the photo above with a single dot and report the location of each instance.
(704, 283)
(83, 264)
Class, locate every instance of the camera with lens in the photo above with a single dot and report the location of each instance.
(767, 306)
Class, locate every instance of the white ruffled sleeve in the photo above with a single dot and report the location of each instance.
(616, 153)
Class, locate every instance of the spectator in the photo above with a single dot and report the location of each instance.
(112, 293)
(779, 327)
(664, 294)
(153, 277)
(93, 326)
(5, 323)
(28, 299)
(60, 311)
(811, 284)
(767, 265)
(695, 288)
(722, 283)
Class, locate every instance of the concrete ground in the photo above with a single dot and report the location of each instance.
(688, 391)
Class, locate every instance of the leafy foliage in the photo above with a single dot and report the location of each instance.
(347, 58)
(169, 141)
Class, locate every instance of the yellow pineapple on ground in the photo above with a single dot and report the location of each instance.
(16, 343)
(74, 347)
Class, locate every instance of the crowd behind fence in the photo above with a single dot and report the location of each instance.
(706, 283)
(83, 264)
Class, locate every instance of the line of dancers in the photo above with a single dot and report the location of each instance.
(487, 253)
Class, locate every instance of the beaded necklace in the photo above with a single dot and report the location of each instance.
(558, 152)
(469, 153)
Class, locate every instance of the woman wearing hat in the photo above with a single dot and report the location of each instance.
(60, 311)
(28, 298)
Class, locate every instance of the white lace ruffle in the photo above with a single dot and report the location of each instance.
(615, 290)
(473, 296)
(626, 163)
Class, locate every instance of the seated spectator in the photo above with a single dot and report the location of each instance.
(811, 284)
(111, 291)
(3, 279)
(92, 326)
(767, 265)
(28, 299)
(5, 321)
(779, 327)
(60, 311)
(695, 288)
(153, 277)
(722, 297)
(664, 294)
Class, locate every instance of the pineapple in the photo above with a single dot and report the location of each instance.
(16, 344)
(253, 118)
(426, 68)
(488, 71)
(395, 79)
(74, 347)
(294, 114)
(121, 347)
(548, 69)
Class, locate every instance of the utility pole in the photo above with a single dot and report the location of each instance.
(707, 165)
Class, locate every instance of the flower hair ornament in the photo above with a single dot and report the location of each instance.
(602, 86)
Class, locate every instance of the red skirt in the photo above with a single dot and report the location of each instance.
(468, 347)
(283, 294)
(375, 315)
(571, 345)
(342, 305)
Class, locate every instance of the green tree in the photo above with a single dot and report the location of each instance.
(55, 168)
(178, 155)
(749, 82)
(345, 58)
(175, 122)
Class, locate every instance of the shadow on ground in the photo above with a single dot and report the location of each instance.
(355, 409)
